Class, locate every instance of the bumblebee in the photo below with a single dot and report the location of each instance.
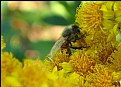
(69, 35)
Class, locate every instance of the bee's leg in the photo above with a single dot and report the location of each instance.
(76, 47)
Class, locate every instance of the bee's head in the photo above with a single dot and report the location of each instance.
(75, 29)
(67, 32)
(75, 26)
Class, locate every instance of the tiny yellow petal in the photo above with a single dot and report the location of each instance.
(118, 19)
(67, 66)
(115, 29)
(118, 37)
(109, 5)
(118, 13)
(12, 82)
(116, 75)
(108, 15)
(108, 24)
(104, 8)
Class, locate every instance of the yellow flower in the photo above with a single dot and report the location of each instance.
(82, 63)
(11, 81)
(111, 18)
(61, 82)
(115, 59)
(101, 77)
(96, 41)
(10, 70)
(116, 76)
(3, 45)
(105, 53)
(9, 64)
(33, 74)
(76, 79)
(89, 16)
(60, 57)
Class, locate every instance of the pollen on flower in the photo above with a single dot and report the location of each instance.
(96, 41)
(10, 64)
(60, 57)
(33, 74)
(101, 77)
(105, 53)
(96, 65)
(82, 63)
(115, 59)
(89, 16)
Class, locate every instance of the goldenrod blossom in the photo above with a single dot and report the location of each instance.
(96, 65)
(101, 77)
(60, 57)
(10, 70)
(89, 17)
(33, 74)
(115, 59)
(9, 64)
(82, 63)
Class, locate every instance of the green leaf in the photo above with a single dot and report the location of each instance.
(55, 20)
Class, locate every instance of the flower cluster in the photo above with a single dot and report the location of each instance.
(98, 65)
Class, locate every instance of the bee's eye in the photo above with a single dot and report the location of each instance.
(78, 30)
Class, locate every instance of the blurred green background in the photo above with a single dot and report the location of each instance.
(30, 28)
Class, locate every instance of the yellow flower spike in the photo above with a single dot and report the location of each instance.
(3, 45)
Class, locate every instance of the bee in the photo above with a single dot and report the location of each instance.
(69, 35)
(117, 83)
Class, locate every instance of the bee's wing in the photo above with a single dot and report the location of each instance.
(56, 46)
